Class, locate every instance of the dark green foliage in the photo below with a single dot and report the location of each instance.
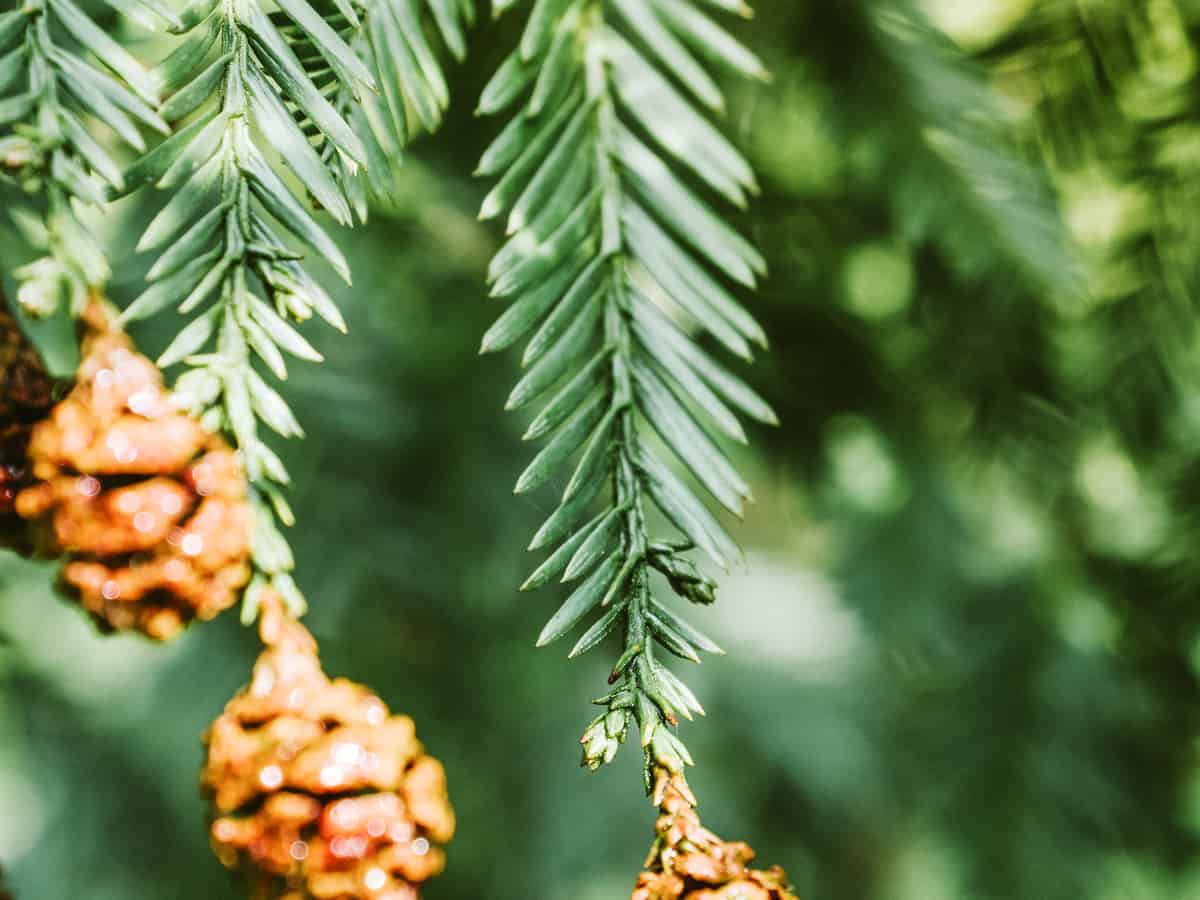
(963, 664)
(617, 265)
(60, 72)
(237, 241)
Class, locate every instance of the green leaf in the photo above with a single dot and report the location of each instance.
(294, 148)
(642, 19)
(271, 407)
(203, 148)
(418, 93)
(525, 312)
(570, 150)
(183, 208)
(689, 514)
(260, 342)
(568, 514)
(517, 136)
(578, 229)
(679, 129)
(689, 216)
(207, 285)
(191, 338)
(185, 60)
(154, 165)
(595, 547)
(692, 385)
(562, 446)
(583, 292)
(90, 150)
(192, 95)
(561, 65)
(509, 82)
(429, 72)
(137, 11)
(661, 332)
(556, 563)
(688, 285)
(279, 202)
(539, 27)
(281, 63)
(525, 244)
(14, 109)
(86, 87)
(688, 440)
(12, 25)
(190, 244)
(12, 66)
(557, 360)
(681, 695)
(671, 639)
(599, 631)
(329, 43)
(510, 186)
(595, 455)
(161, 294)
(710, 38)
(582, 600)
(570, 396)
(281, 332)
(563, 198)
(688, 632)
(107, 50)
(446, 15)
(239, 408)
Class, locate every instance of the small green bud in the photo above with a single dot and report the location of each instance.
(616, 724)
(44, 284)
(196, 390)
(685, 579)
(595, 745)
(669, 751)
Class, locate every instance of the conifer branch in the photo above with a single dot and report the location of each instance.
(620, 264)
(243, 88)
(59, 71)
(387, 35)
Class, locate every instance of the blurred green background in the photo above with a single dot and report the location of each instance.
(963, 654)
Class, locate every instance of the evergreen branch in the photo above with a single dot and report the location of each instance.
(619, 263)
(308, 80)
(223, 255)
(993, 193)
(388, 38)
(59, 70)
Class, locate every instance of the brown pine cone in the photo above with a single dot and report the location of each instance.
(690, 862)
(149, 510)
(318, 791)
(26, 391)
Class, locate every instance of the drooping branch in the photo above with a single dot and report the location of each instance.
(619, 265)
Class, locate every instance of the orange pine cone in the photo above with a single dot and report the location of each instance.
(149, 510)
(688, 862)
(318, 790)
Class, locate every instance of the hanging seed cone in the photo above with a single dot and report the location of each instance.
(688, 861)
(318, 791)
(26, 392)
(149, 510)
